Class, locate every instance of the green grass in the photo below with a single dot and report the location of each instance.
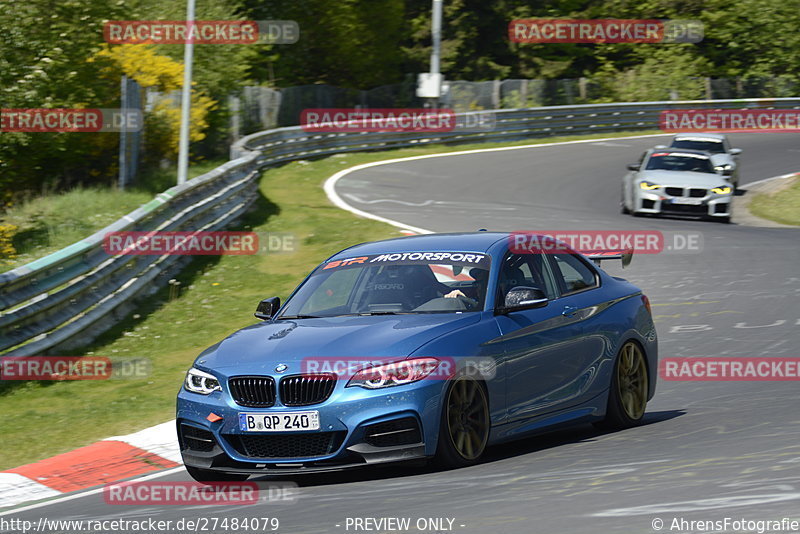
(49, 223)
(782, 207)
(41, 419)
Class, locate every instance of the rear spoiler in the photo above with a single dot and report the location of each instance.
(625, 255)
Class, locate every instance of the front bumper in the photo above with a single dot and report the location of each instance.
(714, 206)
(358, 427)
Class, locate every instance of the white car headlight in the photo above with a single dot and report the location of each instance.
(724, 190)
(198, 381)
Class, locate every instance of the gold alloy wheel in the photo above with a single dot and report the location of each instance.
(467, 418)
(632, 380)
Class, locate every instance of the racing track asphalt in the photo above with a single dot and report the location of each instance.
(708, 450)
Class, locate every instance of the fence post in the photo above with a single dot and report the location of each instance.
(234, 105)
(123, 134)
(523, 93)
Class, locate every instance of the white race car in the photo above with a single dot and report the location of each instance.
(675, 181)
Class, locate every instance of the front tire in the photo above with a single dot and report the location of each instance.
(464, 425)
(207, 476)
(627, 397)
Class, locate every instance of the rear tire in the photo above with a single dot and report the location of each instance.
(627, 396)
(207, 476)
(464, 424)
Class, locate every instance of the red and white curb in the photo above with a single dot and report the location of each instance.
(110, 460)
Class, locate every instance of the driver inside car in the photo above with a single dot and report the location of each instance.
(481, 277)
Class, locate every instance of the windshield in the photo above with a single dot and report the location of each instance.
(673, 161)
(708, 145)
(408, 282)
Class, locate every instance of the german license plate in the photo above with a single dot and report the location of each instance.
(688, 201)
(278, 422)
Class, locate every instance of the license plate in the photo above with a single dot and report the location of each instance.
(278, 422)
(688, 201)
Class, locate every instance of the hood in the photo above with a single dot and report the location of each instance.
(259, 348)
(683, 179)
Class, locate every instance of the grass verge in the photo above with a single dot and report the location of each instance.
(41, 419)
(782, 207)
(49, 223)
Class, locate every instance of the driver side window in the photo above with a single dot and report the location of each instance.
(525, 270)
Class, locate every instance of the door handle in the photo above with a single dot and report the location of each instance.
(569, 311)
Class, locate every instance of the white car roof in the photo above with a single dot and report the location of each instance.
(700, 137)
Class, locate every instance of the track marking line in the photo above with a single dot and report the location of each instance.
(330, 184)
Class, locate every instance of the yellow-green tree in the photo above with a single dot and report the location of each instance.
(152, 70)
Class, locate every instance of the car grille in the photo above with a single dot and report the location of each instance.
(403, 431)
(693, 192)
(305, 390)
(287, 446)
(697, 193)
(253, 391)
(196, 439)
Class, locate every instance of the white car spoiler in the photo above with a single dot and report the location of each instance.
(624, 255)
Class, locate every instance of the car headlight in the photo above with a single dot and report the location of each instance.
(724, 190)
(648, 186)
(198, 381)
(723, 167)
(394, 374)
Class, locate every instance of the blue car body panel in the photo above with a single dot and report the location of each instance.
(550, 368)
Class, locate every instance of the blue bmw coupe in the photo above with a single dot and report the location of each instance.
(431, 346)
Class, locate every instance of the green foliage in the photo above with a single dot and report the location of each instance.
(349, 43)
(43, 51)
(674, 73)
(47, 52)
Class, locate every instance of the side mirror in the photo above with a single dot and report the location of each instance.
(633, 166)
(267, 308)
(524, 298)
(735, 151)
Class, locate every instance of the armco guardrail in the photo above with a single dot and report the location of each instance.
(69, 297)
(287, 144)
